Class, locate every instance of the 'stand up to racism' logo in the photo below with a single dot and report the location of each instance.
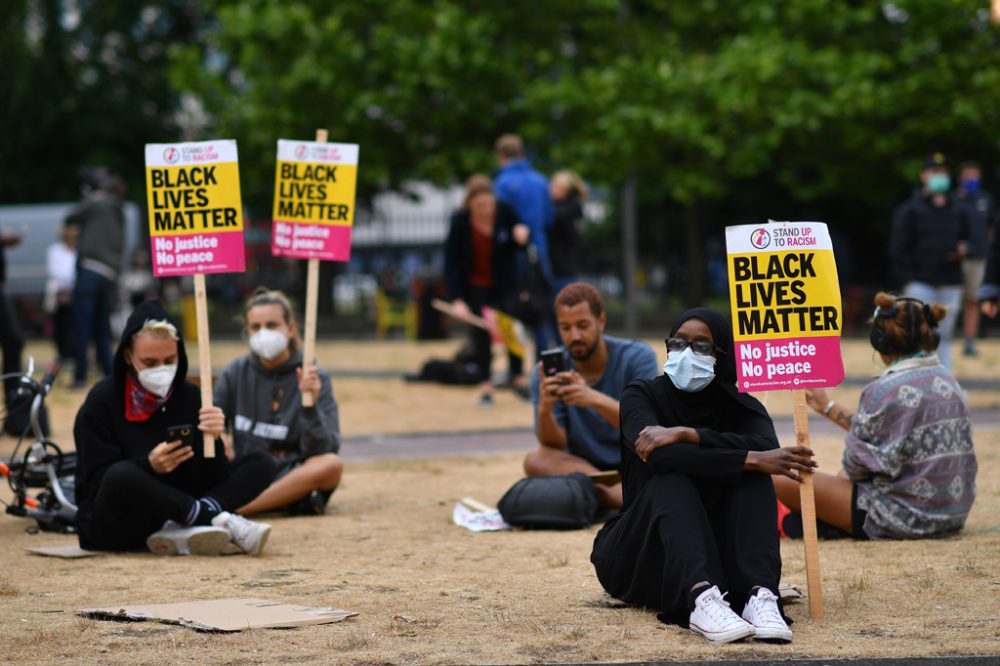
(300, 150)
(171, 155)
(760, 238)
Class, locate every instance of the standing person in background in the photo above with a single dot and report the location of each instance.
(479, 271)
(99, 257)
(568, 194)
(929, 239)
(11, 339)
(60, 261)
(989, 292)
(982, 217)
(527, 192)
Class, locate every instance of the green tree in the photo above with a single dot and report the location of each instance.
(84, 83)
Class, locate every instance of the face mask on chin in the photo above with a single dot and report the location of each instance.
(688, 371)
(158, 380)
(268, 343)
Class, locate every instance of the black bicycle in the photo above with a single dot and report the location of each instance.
(41, 475)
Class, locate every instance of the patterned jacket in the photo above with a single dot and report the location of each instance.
(910, 452)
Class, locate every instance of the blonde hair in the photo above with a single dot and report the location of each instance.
(265, 296)
(572, 182)
(158, 328)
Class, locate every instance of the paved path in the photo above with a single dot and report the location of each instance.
(905, 661)
(430, 445)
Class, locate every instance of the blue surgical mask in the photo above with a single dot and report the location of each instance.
(688, 371)
(938, 183)
(971, 185)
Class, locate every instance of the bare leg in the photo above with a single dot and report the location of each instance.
(320, 472)
(970, 322)
(547, 461)
(833, 498)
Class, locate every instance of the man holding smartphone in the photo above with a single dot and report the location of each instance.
(576, 408)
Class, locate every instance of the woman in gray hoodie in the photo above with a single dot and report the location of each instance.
(261, 395)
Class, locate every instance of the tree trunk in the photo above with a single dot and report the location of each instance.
(629, 256)
(695, 293)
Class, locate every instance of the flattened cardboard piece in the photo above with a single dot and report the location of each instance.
(70, 552)
(789, 592)
(223, 614)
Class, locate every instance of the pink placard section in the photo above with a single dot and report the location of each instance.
(790, 363)
(302, 240)
(219, 252)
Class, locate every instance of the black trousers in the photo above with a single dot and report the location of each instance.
(482, 344)
(682, 531)
(132, 503)
(11, 343)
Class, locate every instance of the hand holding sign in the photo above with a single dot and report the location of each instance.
(787, 321)
(196, 226)
(313, 212)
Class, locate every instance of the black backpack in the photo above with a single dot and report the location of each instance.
(550, 502)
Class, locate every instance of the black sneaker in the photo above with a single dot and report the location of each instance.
(313, 504)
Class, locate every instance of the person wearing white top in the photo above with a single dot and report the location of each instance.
(58, 304)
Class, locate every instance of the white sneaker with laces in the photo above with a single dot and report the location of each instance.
(715, 620)
(176, 539)
(248, 535)
(762, 612)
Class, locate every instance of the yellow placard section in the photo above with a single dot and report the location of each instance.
(194, 199)
(507, 327)
(784, 294)
(315, 192)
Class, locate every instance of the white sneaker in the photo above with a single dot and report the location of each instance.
(248, 535)
(175, 539)
(762, 612)
(715, 620)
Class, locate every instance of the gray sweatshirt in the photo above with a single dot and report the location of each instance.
(264, 411)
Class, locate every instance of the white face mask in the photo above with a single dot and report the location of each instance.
(158, 380)
(268, 343)
(688, 371)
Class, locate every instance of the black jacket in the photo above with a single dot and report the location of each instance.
(923, 236)
(564, 237)
(458, 252)
(104, 437)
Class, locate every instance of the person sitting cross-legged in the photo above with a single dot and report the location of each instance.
(261, 394)
(134, 485)
(576, 411)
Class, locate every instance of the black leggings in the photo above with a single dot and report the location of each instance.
(132, 503)
(482, 343)
(681, 531)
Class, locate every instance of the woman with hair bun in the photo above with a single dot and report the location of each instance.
(909, 465)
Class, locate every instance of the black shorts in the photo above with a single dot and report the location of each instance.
(792, 523)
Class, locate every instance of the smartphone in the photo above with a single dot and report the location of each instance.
(553, 362)
(185, 433)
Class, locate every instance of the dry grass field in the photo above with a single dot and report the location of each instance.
(428, 592)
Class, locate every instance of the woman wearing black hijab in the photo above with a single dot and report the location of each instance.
(699, 514)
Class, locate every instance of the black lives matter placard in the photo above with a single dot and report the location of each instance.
(785, 299)
(195, 212)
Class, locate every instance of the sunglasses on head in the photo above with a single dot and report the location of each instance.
(703, 347)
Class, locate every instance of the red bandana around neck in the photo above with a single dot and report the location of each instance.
(140, 403)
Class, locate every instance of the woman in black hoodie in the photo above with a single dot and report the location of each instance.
(133, 487)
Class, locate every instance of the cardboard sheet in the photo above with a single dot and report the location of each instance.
(223, 614)
(68, 552)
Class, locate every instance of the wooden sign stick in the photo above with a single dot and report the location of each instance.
(807, 499)
(204, 354)
(312, 297)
